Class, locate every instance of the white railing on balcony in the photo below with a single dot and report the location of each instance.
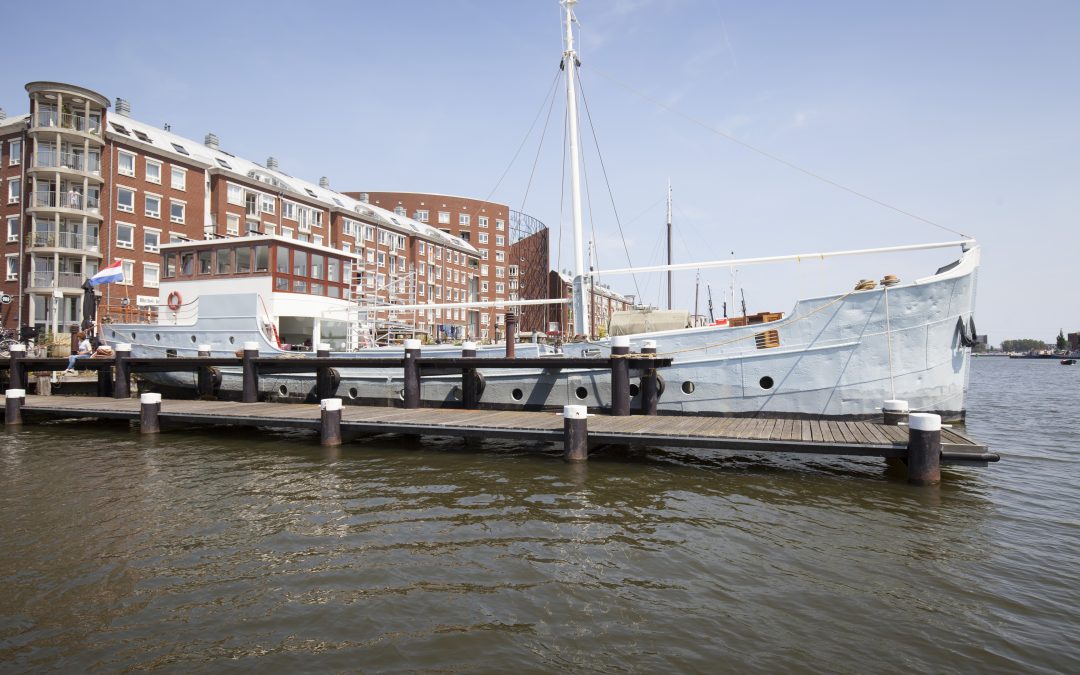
(65, 200)
(69, 280)
(53, 119)
(72, 240)
(50, 159)
(43, 279)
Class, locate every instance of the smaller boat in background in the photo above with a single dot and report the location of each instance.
(1068, 362)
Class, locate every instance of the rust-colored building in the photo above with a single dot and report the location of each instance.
(603, 301)
(84, 187)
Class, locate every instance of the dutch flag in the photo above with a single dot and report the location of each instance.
(108, 275)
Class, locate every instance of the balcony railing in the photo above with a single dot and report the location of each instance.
(67, 200)
(73, 240)
(57, 280)
(53, 119)
(50, 159)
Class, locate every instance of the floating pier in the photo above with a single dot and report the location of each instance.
(917, 440)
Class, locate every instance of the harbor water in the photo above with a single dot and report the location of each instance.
(211, 549)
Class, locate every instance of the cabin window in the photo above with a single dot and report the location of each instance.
(187, 264)
(281, 265)
(299, 264)
(317, 289)
(243, 260)
(299, 286)
(170, 266)
(332, 267)
(206, 262)
(224, 261)
(317, 271)
(262, 258)
(281, 284)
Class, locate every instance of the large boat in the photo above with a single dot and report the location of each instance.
(838, 356)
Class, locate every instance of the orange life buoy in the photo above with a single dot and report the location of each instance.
(174, 301)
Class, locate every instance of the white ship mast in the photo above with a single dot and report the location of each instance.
(570, 64)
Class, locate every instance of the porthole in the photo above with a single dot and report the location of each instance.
(232, 340)
(517, 394)
(766, 382)
(133, 339)
(582, 393)
(157, 336)
(634, 390)
(353, 392)
(194, 339)
(283, 390)
(688, 387)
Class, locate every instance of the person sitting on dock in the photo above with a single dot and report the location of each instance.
(85, 351)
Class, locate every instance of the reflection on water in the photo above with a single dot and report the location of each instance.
(223, 548)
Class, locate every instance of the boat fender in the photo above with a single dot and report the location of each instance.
(335, 379)
(967, 335)
(659, 384)
(215, 379)
(174, 301)
(480, 383)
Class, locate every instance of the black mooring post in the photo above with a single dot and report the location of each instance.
(511, 335)
(13, 401)
(924, 449)
(650, 385)
(105, 382)
(620, 375)
(330, 421)
(470, 390)
(251, 373)
(324, 381)
(149, 408)
(122, 385)
(412, 374)
(206, 376)
(17, 375)
(575, 433)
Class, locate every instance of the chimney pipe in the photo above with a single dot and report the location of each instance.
(123, 107)
(211, 141)
(324, 182)
(271, 164)
(3, 115)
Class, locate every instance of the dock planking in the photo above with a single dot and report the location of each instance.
(746, 434)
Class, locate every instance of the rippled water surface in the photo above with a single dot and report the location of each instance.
(227, 549)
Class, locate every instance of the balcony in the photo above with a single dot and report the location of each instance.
(47, 279)
(68, 161)
(50, 120)
(69, 241)
(69, 201)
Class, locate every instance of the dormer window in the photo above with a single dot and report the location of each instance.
(142, 136)
(181, 149)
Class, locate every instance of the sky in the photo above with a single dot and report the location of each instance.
(962, 113)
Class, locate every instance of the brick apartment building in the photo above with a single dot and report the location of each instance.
(513, 249)
(603, 303)
(84, 187)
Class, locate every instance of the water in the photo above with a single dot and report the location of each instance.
(220, 549)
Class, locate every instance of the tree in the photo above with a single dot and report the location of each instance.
(1062, 343)
(1023, 345)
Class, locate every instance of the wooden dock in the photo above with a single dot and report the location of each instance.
(864, 439)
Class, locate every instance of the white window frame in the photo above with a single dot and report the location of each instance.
(444, 217)
(483, 221)
(183, 211)
(464, 219)
(500, 240)
(146, 205)
(175, 171)
(422, 215)
(267, 204)
(130, 244)
(122, 155)
(15, 152)
(157, 166)
(152, 230)
(234, 194)
(156, 267)
(232, 224)
(482, 238)
(500, 224)
(13, 220)
(11, 271)
(128, 267)
(120, 206)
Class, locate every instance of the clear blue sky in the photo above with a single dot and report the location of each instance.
(965, 113)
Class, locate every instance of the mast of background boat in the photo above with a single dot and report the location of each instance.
(697, 288)
(669, 288)
(570, 63)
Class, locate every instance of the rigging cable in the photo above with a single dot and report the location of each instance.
(550, 94)
(771, 156)
(539, 147)
(611, 195)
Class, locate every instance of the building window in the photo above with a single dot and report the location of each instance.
(232, 224)
(500, 256)
(153, 205)
(483, 254)
(500, 272)
(444, 217)
(482, 238)
(235, 195)
(128, 268)
(125, 163)
(12, 267)
(153, 171)
(14, 190)
(125, 235)
(252, 227)
(15, 152)
(399, 210)
(464, 219)
(483, 286)
(382, 259)
(500, 240)
(151, 240)
(267, 204)
(176, 211)
(422, 215)
(178, 179)
(483, 221)
(13, 229)
(500, 225)
(483, 270)
(151, 275)
(125, 200)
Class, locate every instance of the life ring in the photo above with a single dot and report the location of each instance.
(174, 301)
